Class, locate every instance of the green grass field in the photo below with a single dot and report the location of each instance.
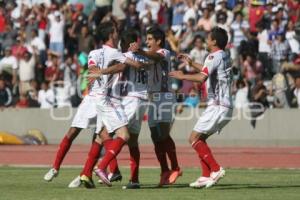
(242, 184)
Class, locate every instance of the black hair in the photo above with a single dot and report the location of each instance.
(128, 37)
(221, 37)
(198, 37)
(105, 29)
(157, 34)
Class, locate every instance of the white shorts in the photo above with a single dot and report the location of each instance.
(86, 113)
(110, 113)
(213, 119)
(135, 109)
(161, 108)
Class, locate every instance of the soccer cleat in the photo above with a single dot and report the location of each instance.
(115, 177)
(103, 176)
(52, 173)
(87, 181)
(216, 176)
(164, 178)
(112, 177)
(75, 183)
(174, 174)
(131, 185)
(202, 182)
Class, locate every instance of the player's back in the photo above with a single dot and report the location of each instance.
(103, 58)
(219, 78)
(137, 78)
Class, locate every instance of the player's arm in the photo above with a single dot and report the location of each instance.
(153, 55)
(138, 65)
(188, 61)
(199, 77)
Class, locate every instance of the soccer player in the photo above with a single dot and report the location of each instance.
(110, 110)
(134, 100)
(217, 72)
(161, 109)
(87, 109)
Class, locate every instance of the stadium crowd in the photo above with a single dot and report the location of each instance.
(44, 46)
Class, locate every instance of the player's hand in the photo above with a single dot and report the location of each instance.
(176, 74)
(93, 74)
(134, 47)
(185, 59)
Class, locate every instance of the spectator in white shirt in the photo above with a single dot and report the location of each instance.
(26, 71)
(56, 32)
(46, 96)
(9, 65)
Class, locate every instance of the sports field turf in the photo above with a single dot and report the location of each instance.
(241, 184)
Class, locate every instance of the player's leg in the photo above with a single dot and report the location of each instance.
(134, 152)
(170, 149)
(211, 170)
(112, 152)
(63, 149)
(93, 156)
(115, 174)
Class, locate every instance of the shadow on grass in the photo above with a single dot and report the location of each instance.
(155, 186)
(251, 186)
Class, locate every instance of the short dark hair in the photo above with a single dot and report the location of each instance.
(105, 29)
(220, 35)
(128, 37)
(157, 34)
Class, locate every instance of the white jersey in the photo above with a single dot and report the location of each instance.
(217, 67)
(107, 85)
(137, 79)
(159, 80)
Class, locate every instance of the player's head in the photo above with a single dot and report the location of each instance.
(155, 38)
(108, 31)
(217, 38)
(128, 37)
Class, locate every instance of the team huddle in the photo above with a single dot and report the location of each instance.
(124, 85)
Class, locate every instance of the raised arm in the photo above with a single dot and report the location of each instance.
(199, 77)
(188, 61)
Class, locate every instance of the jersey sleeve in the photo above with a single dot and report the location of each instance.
(163, 52)
(92, 59)
(210, 65)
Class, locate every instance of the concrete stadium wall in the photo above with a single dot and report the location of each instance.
(277, 127)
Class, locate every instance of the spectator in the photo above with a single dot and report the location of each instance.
(132, 17)
(204, 24)
(191, 101)
(251, 69)
(177, 19)
(85, 41)
(240, 32)
(46, 96)
(26, 71)
(56, 33)
(290, 35)
(9, 66)
(198, 53)
(279, 53)
(5, 95)
(264, 50)
(242, 93)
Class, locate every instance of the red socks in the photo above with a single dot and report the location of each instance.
(134, 163)
(171, 151)
(92, 159)
(205, 168)
(205, 154)
(64, 147)
(112, 152)
(161, 156)
(113, 165)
